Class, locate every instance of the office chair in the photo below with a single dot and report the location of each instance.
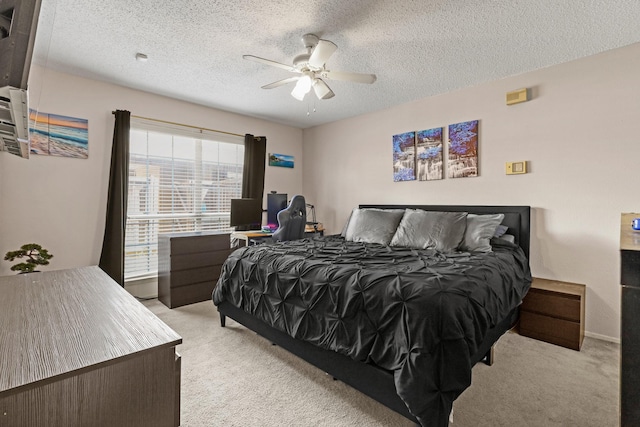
(291, 220)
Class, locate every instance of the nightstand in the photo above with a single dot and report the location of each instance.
(553, 311)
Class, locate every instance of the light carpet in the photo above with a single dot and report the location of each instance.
(233, 377)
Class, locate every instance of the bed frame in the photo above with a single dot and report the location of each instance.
(369, 379)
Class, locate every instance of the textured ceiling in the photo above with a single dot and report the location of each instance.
(416, 48)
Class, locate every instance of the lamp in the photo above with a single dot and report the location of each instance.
(302, 87)
(311, 214)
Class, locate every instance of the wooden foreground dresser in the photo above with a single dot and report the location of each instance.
(553, 311)
(76, 349)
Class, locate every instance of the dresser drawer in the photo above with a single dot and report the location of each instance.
(553, 304)
(199, 243)
(195, 275)
(196, 260)
(556, 331)
(192, 293)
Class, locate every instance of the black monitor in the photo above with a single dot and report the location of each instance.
(246, 214)
(275, 203)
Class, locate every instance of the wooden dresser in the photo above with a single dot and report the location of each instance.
(76, 349)
(629, 322)
(189, 265)
(553, 311)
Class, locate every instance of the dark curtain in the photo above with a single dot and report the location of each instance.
(112, 257)
(255, 151)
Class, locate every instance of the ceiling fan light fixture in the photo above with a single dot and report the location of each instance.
(321, 89)
(311, 70)
(302, 87)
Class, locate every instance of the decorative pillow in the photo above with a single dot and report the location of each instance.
(373, 225)
(420, 229)
(500, 230)
(346, 224)
(480, 229)
(509, 238)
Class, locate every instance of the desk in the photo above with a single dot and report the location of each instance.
(79, 350)
(246, 236)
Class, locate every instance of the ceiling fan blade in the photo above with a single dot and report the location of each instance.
(323, 50)
(280, 82)
(270, 62)
(349, 77)
(322, 90)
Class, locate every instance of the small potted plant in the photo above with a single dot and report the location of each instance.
(35, 255)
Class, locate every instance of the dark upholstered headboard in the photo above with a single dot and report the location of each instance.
(517, 218)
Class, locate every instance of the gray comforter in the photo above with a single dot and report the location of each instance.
(418, 313)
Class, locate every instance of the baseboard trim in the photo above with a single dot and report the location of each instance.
(602, 337)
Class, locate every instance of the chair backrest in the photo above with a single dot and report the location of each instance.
(292, 220)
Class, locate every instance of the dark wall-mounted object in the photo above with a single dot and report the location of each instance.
(18, 23)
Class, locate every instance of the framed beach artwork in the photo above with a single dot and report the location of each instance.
(56, 135)
(429, 164)
(404, 156)
(463, 150)
(281, 160)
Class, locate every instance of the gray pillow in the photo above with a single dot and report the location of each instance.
(420, 229)
(480, 229)
(346, 225)
(373, 225)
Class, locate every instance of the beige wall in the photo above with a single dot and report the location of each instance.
(580, 135)
(61, 202)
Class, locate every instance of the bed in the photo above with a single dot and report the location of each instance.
(401, 319)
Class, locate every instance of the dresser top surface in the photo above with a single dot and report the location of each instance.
(57, 322)
(629, 238)
(192, 234)
(557, 286)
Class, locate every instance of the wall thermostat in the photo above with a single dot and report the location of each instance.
(514, 168)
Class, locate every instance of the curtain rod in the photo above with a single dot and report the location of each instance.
(180, 124)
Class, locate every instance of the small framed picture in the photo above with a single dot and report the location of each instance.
(281, 160)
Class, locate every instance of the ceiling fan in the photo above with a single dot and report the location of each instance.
(311, 69)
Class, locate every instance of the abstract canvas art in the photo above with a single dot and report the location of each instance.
(463, 150)
(429, 164)
(55, 135)
(404, 156)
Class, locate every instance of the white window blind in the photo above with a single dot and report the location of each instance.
(180, 179)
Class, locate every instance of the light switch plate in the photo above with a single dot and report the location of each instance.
(516, 168)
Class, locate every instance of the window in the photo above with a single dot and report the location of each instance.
(180, 180)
